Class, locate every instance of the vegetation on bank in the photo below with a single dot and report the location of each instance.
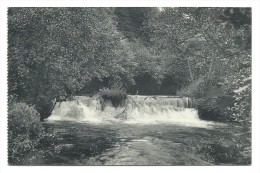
(117, 96)
(143, 50)
(113, 93)
(56, 53)
(25, 132)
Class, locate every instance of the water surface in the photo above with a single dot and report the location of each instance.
(83, 143)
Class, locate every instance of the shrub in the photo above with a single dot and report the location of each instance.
(240, 85)
(112, 93)
(24, 131)
(116, 95)
(198, 87)
(211, 109)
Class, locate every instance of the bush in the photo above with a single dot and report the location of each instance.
(116, 95)
(24, 131)
(44, 106)
(198, 87)
(211, 109)
(240, 85)
(112, 93)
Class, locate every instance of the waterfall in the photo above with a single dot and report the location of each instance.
(75, 110)
(135, 109)
(183, 102)
(156, 109)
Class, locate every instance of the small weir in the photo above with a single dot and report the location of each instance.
(135, 109)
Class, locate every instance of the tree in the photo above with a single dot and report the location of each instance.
(53, 52)
(200, 38)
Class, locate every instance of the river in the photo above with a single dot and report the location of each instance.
(177, 137)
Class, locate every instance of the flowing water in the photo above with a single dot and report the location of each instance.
(134, 110)
(142, 130)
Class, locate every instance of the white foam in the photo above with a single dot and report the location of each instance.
(148, 111)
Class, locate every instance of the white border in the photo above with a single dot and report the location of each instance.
(4, 4)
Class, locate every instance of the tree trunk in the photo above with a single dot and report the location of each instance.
(191, 76)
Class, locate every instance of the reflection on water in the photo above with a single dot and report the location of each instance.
(135, 144)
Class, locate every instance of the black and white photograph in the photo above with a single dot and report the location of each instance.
(129, 86)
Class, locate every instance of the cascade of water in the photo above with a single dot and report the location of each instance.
(154, 109)
(84, 109)
(183, 102)
(137, 109)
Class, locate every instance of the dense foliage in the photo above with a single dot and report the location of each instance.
(55, 53)
(116, 95)
(24, 131)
